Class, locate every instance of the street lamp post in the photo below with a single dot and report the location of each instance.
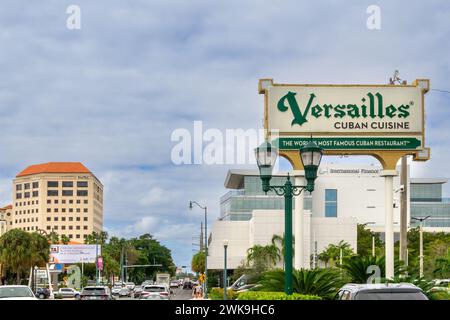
(191, 203)
(266, 155)
(421, 220)
(225, 286)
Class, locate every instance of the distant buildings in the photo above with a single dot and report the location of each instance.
(344, 195)
(64, 197)
(5, 219)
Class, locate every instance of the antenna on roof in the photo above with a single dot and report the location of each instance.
(396, 79)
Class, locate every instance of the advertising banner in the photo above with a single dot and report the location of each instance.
(78, 253)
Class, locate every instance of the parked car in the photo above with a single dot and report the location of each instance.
(69, 293)
(96, 293)
(248, 287)
(16, 293)
(390, 291)
(155, 288)
(174, 284)
(43, 293)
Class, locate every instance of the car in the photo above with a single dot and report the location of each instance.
(125, 292)
(43, 293)
(16, 293)
(69, 293)
(96, 293)
(155, 288)
(187, 285)
(248, 287)
(137, 291)
(388, 291)
(154, 296)
(130, 285)
(116, 289)
(174, 284)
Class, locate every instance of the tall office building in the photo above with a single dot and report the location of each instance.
(64, 197)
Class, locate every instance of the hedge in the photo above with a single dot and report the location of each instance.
(266, 295)
(217, 294)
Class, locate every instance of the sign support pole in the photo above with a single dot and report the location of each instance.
(298, 227)
(389, 222)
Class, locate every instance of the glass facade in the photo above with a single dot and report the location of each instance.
(239, 204)
(426, 200)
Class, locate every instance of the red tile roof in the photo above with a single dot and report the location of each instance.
(9, 206)
(54, 167)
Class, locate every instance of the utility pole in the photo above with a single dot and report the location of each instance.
(201, 236)
(404, 210)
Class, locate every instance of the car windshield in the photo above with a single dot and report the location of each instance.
(367, 295)
(155, 289)
(11, 292)
(94, 291)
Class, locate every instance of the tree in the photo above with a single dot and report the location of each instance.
(364, 240)
(262, 258)
(442, 269)
(20, 250)
(53, 237)
(331, 254)
(64, 239)
(198, 262)
(321, 282)
(281, 239)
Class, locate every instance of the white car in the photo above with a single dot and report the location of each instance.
(69, 293)
(162, 290)
(116, 289)
(174, 284)
(130, 285)
(16, 293)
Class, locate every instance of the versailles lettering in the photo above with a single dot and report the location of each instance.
(370, 106)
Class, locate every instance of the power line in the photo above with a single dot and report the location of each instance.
(444, 91)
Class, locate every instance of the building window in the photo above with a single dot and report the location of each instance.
(35, 193)
(52, 193)
(84, 236)
(63, 219)
(49, 201)
(26, 195)
(18, 196)
(70, 201)
(78, 210)
(52, 184)
(63, 227)
(82, 193)
(56, 201)
(26, 186)
(35, 185)
(63, 201)
(56, 210)
(78, 236)
(78, 201)
(70, 227)
(85, 227)
(18, 187)
(70, 218)
(48, 227)
(78, 219)
(55, 218)
(67, 184)
(70, 236)
(82, 184)
(55, 228)
(85, 210)
(49, 210)
(63, 209)
(330, 203)
(78, 227)
(85, 219)
(67, 193)
(85, 202)
(70, 210)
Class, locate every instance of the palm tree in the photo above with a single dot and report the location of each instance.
(321, 282)
(53, 237)
(331, 254)
(262, 257)
(281, 239)
(356, 267)
(64, 239)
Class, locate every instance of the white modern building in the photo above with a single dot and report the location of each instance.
(344, 196)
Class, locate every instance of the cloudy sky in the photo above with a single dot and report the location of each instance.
(111, 93)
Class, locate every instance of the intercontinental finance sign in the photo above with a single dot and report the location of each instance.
(347, 117)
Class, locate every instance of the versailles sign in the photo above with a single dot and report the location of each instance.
(348, 119)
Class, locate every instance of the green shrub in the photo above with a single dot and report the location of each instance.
(58, 296)
(265, 295)
(439, 295)
(217, 294)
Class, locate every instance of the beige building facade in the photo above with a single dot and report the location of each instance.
(64, 197)
(5, 219)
